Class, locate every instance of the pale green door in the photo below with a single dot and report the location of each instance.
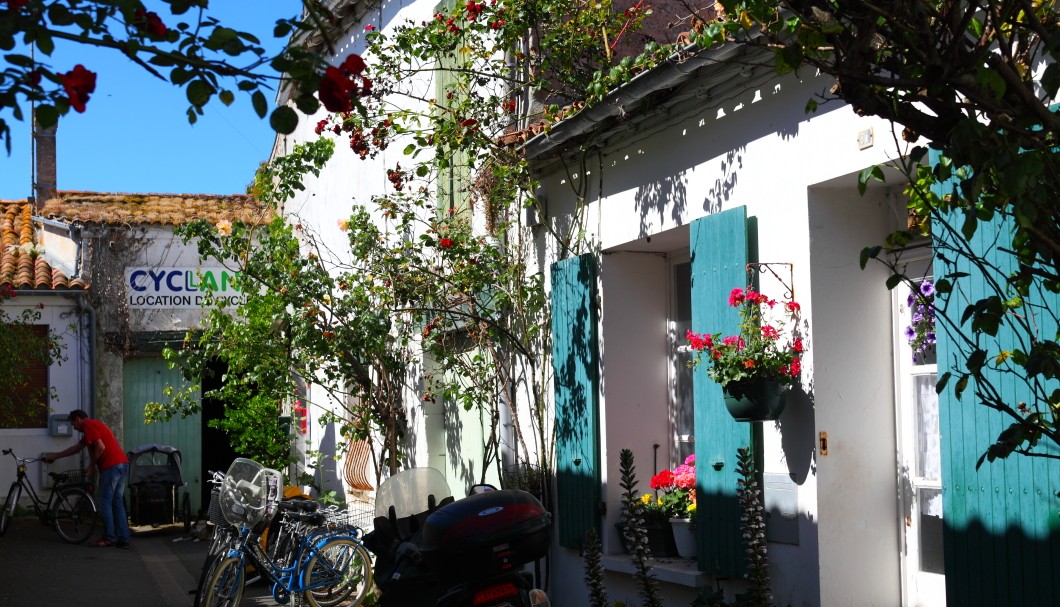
(145, 379)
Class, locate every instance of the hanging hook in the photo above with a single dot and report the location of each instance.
(789, 286)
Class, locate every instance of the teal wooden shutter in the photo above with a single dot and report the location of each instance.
(576, 380)
(1001, 529)
(719, 246)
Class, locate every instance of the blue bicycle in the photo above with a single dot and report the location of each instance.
(326, 564)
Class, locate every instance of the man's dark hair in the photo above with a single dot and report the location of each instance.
(78, 414)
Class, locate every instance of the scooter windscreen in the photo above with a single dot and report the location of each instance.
(410, 492)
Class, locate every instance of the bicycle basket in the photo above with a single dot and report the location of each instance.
(249, 492)
(76, 476)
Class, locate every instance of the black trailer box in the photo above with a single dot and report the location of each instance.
(486, 534)
(151, 504)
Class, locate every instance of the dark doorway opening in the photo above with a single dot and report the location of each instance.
(217, 451)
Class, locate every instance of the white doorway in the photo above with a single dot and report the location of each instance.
(919, 454)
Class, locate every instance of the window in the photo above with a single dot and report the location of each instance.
(24, 393)
(681, 393)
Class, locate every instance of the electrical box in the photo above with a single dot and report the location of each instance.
(782, 508)
(59, 425)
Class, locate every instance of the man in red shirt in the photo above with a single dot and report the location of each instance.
(106, 455)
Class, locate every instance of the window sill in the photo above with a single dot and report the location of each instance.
(682, 572)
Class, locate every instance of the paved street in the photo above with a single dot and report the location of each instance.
(160, 568)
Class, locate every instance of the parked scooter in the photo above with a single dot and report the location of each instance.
(434, 551)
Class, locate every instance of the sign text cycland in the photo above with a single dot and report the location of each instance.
(158, 288)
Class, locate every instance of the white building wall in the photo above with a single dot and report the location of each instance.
(762, 151)
(68, 379)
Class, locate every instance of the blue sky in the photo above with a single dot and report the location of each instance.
(134, 135)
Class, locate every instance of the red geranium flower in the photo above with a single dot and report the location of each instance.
(79, 84)
(662, 480)
(445, 243)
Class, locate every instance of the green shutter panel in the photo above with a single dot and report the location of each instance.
(575, 363)
(1001, 525)
(719, 246)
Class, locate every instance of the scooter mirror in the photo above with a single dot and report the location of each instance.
(481, 488)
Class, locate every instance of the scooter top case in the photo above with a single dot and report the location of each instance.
(486, 534)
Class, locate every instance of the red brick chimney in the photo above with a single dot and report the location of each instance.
(44, 179)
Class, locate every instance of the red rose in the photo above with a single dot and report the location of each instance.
(79, 84)
(354, 64)
(150, 23)
(445, 243)
(337, 88)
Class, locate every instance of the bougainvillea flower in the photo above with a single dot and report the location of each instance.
(79, 84)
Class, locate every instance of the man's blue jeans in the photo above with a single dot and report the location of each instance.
(112, 502)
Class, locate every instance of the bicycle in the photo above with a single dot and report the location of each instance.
(70, 508)
(325, 566)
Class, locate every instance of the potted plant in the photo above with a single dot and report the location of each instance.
(756, 366)
(678, 499)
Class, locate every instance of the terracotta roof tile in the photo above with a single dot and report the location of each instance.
(154, 209)
(21, 265)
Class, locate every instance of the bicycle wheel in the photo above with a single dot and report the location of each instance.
(74, 514)
(341, 569)
(224, 587)
(223, 539)
(9, 506)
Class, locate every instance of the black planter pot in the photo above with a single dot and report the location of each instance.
(660, 539)
(755, 400)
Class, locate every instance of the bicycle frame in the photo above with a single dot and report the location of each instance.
(41, 508)
(70, 507)
(286, 579)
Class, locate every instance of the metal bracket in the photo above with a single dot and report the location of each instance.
(758, 268)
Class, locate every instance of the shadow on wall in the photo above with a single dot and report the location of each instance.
(455, 463)
(327, 476)
(797, 426)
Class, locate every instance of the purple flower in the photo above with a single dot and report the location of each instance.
(927, 288)
(910, 333)
(930, 337)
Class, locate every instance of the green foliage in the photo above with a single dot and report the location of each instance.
(984, 106)
(21, 347)
(753, 529)
(594, 570)
(186, 47)
(256, 430)
(633, 530)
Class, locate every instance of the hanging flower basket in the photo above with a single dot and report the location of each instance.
(755, 400)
